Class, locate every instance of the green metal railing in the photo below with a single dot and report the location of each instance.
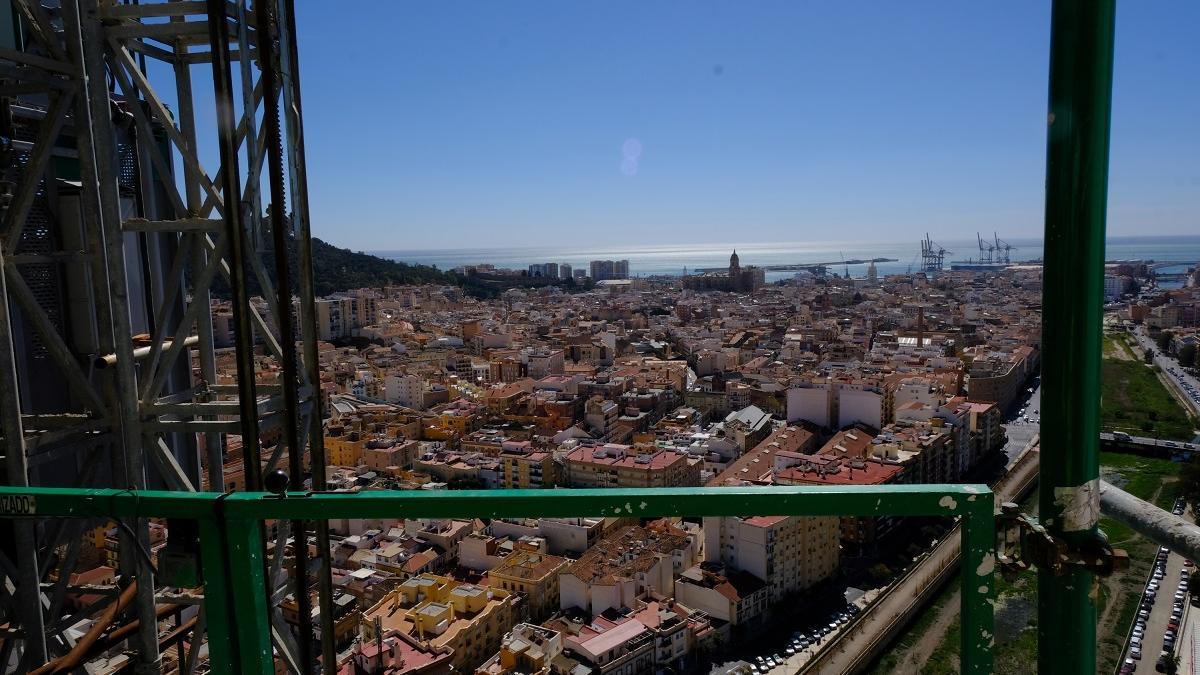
(232, 549)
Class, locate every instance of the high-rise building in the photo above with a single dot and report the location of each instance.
(602, 270)
(564, 270)
(599, 270)
(549, 270)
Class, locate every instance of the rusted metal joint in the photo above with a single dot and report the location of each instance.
(1023, 543)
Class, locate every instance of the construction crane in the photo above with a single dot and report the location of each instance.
(933, 256)
(845, 267)
(1002, 249)
(986, 249)
(911, 263)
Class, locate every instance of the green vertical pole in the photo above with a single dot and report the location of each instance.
(239, 635)
(978, 588)
(1081, 59)
(247, 585)
(218, 612)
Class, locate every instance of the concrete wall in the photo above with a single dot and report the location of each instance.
(855, 406)
(706, 600)
(809, 404)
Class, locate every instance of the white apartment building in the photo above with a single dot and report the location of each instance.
(789, 553)
(403, 389)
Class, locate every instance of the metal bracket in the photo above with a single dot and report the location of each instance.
(1022, 543)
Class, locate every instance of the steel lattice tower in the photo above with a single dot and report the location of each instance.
(114, 239)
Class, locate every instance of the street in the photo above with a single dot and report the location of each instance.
(1018, 430)
(1170, 369)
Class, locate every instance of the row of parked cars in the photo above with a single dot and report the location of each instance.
(803, 639)
(1179, 596)
(1192, 390)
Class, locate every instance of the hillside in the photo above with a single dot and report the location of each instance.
(339, 269)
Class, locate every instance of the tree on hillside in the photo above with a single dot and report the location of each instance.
(1164, 341)
(1187, 356)
(1189, 483)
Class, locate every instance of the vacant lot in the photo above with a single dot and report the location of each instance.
(1135, 401)
(1117, 347)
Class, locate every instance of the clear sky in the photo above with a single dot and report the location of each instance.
(452, 124)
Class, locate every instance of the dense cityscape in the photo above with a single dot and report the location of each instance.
(712, 379)
(580, 339)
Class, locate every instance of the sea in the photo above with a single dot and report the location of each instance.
(678, 259)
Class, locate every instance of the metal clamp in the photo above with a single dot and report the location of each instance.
(1022, 543)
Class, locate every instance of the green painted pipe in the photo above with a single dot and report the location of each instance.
(1080, 103)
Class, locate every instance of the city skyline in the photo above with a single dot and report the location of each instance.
(742, 121)
(231, 445)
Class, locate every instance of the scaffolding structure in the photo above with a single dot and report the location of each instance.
(114, 241)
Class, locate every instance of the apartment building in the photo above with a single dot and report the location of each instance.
(608, 646)
(404, 389)
(788, 553)
(535, 576)
(615, 465)
(394, 653)
(601, 416)
(528, 649)
(732, 596)
(440, 612)
(564, 536)
(387, 455)
(859, 535)
(544, 362)
(522, 467)
(626, 565)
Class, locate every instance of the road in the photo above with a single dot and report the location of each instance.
(1178, 378)
(1018, 430)
(1146, 440)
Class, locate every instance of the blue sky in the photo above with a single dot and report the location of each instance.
(449, 124)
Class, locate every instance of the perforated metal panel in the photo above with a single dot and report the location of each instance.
(37, 238)
(127, 167)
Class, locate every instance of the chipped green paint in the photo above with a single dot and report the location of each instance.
(1077, 144)
(232, 559)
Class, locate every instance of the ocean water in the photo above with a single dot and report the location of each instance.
(675, 258)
